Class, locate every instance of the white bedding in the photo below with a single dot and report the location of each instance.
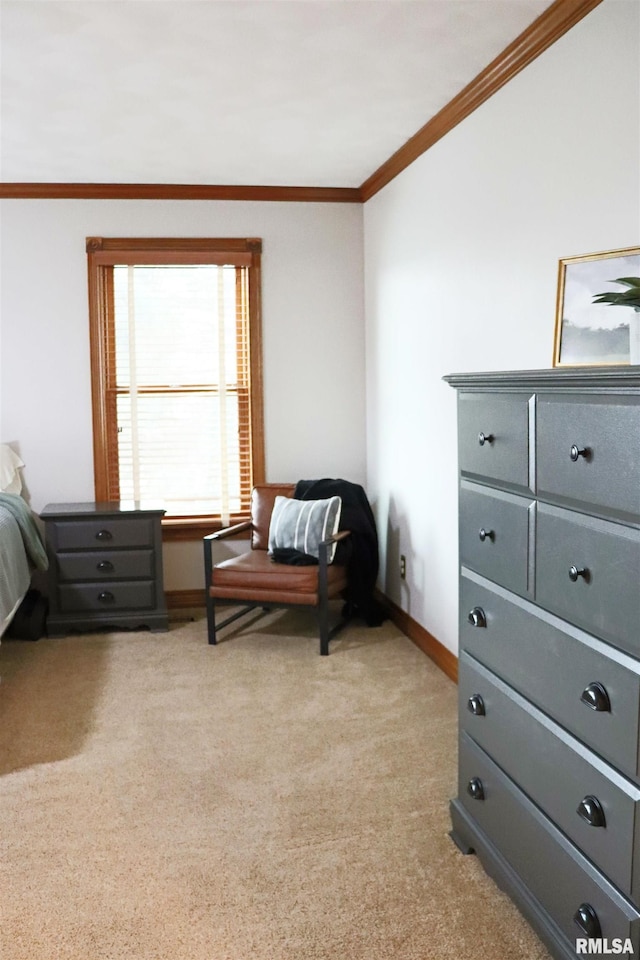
(15, 575)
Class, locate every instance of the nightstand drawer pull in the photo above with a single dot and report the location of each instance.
(596, 697)
(590, 810)
(106, 597)
(475, 705)
(104, 535)
(576, 452)
(485, 438)
(105, 566)
(477, 618)
(575, 572)
(475, 788)
(587, 919)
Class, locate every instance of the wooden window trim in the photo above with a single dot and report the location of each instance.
(109, 251)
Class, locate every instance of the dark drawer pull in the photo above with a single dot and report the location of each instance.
(596, 697)
(576, 452)
(477, 618)
(575, 572)
(104, 535)
(105, 566)
(587, 919)
(485, 438)
(590, 809)
(475, 788)
(475, 705)
(486, 534)
(106, 597)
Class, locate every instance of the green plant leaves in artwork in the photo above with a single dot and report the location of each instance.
(629, 282)
(626, 298)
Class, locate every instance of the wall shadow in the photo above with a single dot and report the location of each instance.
(399, 543)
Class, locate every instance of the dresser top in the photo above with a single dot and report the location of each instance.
(105, 508)
(554, 378)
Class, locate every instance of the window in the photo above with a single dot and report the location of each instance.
(177, 376)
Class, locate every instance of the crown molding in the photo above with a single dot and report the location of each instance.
(175, 191)
(552, 24)
(556, 20)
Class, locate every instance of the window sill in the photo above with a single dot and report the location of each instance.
(176, 529)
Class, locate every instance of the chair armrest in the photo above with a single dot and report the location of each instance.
(207, 543)
(323, 546)
(229, 531)
(323, 552)
(336, 537)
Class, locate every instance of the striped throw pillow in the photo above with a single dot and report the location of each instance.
(303, 524)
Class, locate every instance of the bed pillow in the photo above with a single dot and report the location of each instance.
(303, 524)
(10, 463)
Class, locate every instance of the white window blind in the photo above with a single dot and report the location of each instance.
(182, 386)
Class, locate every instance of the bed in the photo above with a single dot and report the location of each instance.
(21, 547)
(15, 575)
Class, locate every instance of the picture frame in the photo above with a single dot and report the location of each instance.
(597, 320)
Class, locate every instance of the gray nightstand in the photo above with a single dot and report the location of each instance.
(105, 566)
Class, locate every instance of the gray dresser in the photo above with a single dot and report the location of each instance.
(549, 668)
(105, 566)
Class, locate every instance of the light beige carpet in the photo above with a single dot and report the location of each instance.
(161, 799)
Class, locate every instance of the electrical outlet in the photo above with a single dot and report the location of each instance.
(403, 567)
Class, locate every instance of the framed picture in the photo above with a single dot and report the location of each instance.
(598, 309)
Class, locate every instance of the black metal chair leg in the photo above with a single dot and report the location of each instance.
(323, 622)
(211, 610)
(211, 621)
(323, 599)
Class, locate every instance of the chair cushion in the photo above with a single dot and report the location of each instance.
(303, 524)
(254, 576)
(262, 499)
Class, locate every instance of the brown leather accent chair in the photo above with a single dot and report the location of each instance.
(254, 580)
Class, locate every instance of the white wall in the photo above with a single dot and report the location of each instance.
(461, 256)
(313, 336)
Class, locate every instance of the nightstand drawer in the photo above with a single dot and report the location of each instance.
(493, 437)
(494, 535)
(588, 572)
(588, 452)
(79, 597)
(104, 532)
(558, 876)
(594, 806)
(106, 565)
(560, 669)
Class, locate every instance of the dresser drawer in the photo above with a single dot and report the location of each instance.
(558, 876)
(494, 535)
(557, 772)
(111, 597)
(558, 668)
(493, 437)
(588, 453)
(107, 565)
(588, 572)
(103, 532)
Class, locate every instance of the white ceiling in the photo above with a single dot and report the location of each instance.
(238, 92)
